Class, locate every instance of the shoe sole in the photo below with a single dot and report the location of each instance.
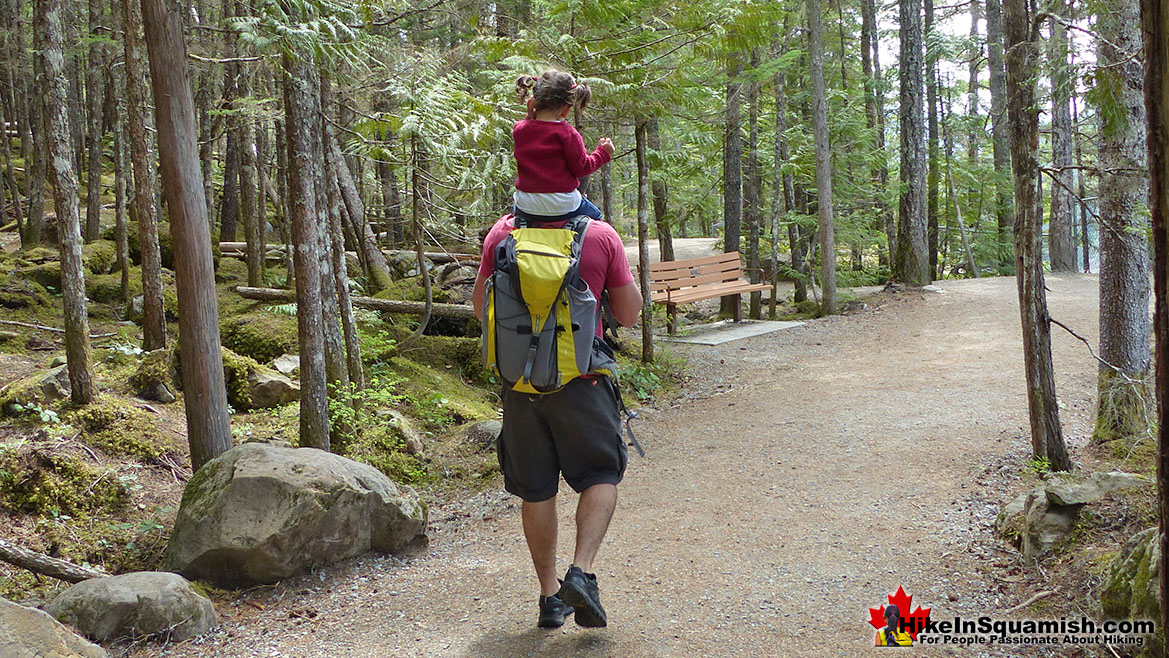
(589, 612)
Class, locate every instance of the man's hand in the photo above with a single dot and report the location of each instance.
(606, 144)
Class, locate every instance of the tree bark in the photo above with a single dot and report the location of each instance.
(46, 565)
(999, 134)
(1023, 113)
(145, 182)
(933, 171)
(50, 30)
(784, 203)
(229, 205)
(647, 336)
(911, 265)
(378, 272)
(1124, 265)
(302, 106)
(1155, 28)
(753, 191)
(660, 195)
(35, 227)
(1062, 245)
(875, 122)
(336, 370)
(121, 235)
(204, 387)
(732, 166)
(823, 162)
(93, 94)
(249, 211)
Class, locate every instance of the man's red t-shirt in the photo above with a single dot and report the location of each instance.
(603, 264)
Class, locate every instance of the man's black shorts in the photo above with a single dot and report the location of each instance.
(575, 431)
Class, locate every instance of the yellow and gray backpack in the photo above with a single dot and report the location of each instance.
(539, 316)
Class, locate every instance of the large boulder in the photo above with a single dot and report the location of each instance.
(404, 429)
(260, 513)
(1132, 588)
(143, 604)
(287, 364)
(1079, 489)
(269, 389)
(30, 633)
(1009, 522)
(39, 388)
(480, 434)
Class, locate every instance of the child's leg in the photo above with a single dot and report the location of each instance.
(588, 209)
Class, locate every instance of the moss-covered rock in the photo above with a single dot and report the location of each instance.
(410, 289)
(118, 429)
(237, 370)
(154, 370)
(41, 483)
(40, 388)
(105, 288)
(259, 334)
(47, 274)
(231, 270)
(100, 256)
(1132, 589)
(21, 293)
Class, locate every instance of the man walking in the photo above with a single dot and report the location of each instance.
(574, 431)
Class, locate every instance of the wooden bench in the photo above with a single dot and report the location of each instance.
(682, 281)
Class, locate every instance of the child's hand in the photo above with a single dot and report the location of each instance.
(531, 109)
(606, 144)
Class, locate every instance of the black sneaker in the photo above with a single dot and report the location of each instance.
(579, 590)
(552, 612)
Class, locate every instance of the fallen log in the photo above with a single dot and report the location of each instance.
(464, 311)
(35, 562)
(436, 257)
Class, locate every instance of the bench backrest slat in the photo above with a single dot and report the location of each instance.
(681, 274)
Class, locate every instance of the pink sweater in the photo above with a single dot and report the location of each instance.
(551, 157)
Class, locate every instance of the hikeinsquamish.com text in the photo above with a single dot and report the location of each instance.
(1081, 631)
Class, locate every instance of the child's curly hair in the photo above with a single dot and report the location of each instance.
(553, 90)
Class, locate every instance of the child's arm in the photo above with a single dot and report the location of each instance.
(580, 162)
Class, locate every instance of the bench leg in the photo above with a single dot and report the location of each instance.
(672, 318)
(737, 308)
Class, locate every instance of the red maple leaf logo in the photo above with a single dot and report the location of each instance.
(912, 623)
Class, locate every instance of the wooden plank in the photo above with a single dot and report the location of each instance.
(706, 292)
(705, 280)
(731, 270)
(693, 262)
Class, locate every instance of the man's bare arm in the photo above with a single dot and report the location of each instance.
(625, 302)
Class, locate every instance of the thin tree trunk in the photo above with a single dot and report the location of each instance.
(204, 388)
(10, 183)
(911, 265)
(142, 159)
(660, 196)
(973, 136)
(783, 198)
(46, 565)
(1081, 189)
(823, 164)
(229, 205)
(1022, 60)
(753, 191)
(121, 234)
(50, 30)
(732, 166)
(1062, 246)
(35, 227)
(874, 121)
(1123, 405)
(933, 172)
(999, 133)
(249, 212)
(647, 335)
(302, 106)
(378, 272)
(93, 89)
(1155, 28)
(283, 180)
(418, 189)
(336, 368)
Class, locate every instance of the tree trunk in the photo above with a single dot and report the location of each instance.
(204, 388)
(11, 184)
(823, 163)
(875, 122)
(1062, 244)
(1155, 24)
(93, 94)
(647, 334)
(933, 172)
(50, 30)
(660, 195)
(378, 272)
(911, 265)
(1123, 409)
(35, 227)
(1081, 189)
(249, 212)
(1023, 114)
(121, 234)
(783, 199)
(732, 166)
(418, 197)
(142, 159)
(999, 133)
(336, 370)
(229, 204)
(973, 136)
(302, 106)
(285, 203)
(753, 191)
